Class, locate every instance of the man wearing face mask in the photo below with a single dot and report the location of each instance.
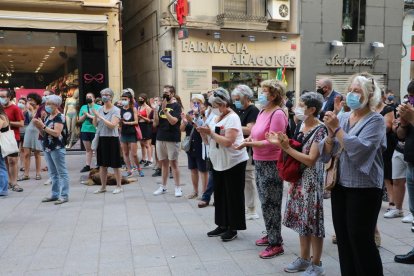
(167, 119)
(41, 113)
(16, 119)
(324, 87)
(247, 111)
(88, 130)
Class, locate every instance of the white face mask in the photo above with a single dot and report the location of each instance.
(216, 111)
(300, 114)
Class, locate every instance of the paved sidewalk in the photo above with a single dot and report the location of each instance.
(136, 233)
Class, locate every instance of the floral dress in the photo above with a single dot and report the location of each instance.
(304, 205)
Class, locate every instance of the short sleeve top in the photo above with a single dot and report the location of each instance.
(50, 142)
(105, 131)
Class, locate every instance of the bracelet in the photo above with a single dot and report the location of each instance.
(44, 128)
(336, 131)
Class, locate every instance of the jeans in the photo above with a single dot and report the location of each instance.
(410, 186)
(210, 188)
(58, 172)
(4, 178)
(354, 214)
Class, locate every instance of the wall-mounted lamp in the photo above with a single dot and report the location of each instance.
(377, 44)
(217, 35)
(284, 38)
(1, 34)
(336, 43)
(252, 38)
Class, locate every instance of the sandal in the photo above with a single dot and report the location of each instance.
(192, 195)
(22, 169)
(16, 188)
(38, 177)
(202, 204)
(45, 169)
(23, 178)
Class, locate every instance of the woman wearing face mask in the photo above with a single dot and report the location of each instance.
(108, 154)
(54, 149)
(22, 105)
(356, 198)
(145, 125)
(265, 155)
(31, 139)
(129, 120)
(229, 166)
(304, 204)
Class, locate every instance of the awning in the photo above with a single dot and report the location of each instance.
(412, 53)
(53, 21)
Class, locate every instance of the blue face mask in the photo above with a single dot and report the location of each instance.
(390, 98)
(48, 109)
(263, 100)
(125, 103)
(238, 104)
(352, 101)
(3, 101)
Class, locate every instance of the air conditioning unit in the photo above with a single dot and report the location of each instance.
(278, 10)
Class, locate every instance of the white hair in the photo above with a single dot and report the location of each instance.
(219, 96)
(370, 90)
(107, 91)
(242, 91)
(53, 99)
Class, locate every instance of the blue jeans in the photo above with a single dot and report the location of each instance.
(210, 188)
(58, 172)
(4, 178)
(410, 186)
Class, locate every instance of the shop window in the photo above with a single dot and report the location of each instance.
(353, 20)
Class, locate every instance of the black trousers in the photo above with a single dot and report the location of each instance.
(355, 214)
(229, 197)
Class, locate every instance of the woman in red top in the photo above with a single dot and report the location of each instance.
(145, 125)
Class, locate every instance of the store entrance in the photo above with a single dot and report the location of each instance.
(67, 63)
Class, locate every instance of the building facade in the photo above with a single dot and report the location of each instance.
(407, 68)
(343, 37)
(229, 42)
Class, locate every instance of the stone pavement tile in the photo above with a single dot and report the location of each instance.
(399, 269)
(148, 256)
(124, 268)
(408, 241)
(388, 256)
(144, 236)
(61, 239)
(82, 260)
(251, 264)
(48, 258)
(186, 265)
(22, 248)
(153, 271)
(44, 272)
(197, 232)
(14, 265)
(222, 267)
(211, 250)
(116, 234)
(136, 221)
(86, 227)
(177, 248)
(32, 229)
(115, 252)
(396, 250)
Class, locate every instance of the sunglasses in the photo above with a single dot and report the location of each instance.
(215, 94)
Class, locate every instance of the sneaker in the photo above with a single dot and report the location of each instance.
(127, 174)
(394, 213)
(264, 241)
(157, 173)
(117, 191)
(408, 218)
(252, 216)
(160, 190)
(178, 192)
(48, 182)
(85, 169)
(142, 162)
(271, 251)
(61, 201)
(297, 265)
(171, 175)
(229, 235)
(100, 191)
(217, 232)
(314, 270)
(147, 164)
(141, 173)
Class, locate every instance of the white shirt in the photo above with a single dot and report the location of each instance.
(206, 148)
(224, 158)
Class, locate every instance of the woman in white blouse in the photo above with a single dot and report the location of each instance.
(229, 166)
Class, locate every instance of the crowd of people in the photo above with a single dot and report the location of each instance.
(237, 150)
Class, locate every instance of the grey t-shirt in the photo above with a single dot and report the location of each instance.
(103, 129)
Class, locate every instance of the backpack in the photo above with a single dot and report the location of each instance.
(289, 168)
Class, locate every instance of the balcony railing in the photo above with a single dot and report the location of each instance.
(242, 11)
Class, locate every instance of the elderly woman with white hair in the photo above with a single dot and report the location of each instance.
(359, 137)
(196, 164)
(54, 149)
(108, 153)
(229, 166)
(242, 97)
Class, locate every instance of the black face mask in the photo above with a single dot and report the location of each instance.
(89, 101)
(320, 90)
(140, 102)
(167, 97)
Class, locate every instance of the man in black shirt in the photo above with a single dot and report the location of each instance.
(405, 131)
(167, 118)
(247, 111)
